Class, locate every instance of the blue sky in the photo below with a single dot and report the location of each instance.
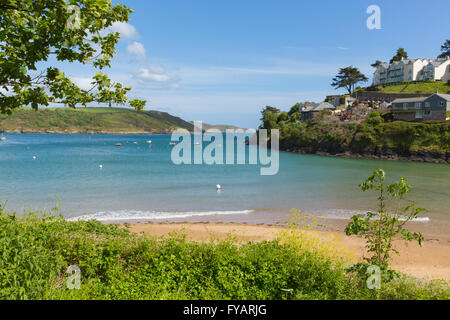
(223, 61)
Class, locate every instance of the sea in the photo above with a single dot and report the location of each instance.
(89, 177)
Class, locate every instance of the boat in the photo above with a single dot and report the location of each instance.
(172, 143)
(149, 141)
(118, 144)
(2, 138)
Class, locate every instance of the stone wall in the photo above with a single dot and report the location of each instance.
(382, 96)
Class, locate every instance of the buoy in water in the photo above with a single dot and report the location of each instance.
(34, 157)
(218, 187)
(100, 166)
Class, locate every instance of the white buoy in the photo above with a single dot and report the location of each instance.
(34, 157)
(218, 187)
(100, 166)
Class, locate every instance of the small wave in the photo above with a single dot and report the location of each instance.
(124, 215)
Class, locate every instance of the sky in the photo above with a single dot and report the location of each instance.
(221, 62)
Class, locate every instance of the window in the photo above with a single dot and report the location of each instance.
(427, 105)
(417, 105)
(405, 105)
(442, 103)
(427, 112)
(419, 114)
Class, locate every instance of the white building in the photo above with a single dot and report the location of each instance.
(437, 70)
(412, 70)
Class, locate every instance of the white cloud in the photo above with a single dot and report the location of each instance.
(137, 49)
(125, 29)
(149, 75)
(82, 82)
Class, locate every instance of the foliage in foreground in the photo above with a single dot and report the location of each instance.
(35, 253)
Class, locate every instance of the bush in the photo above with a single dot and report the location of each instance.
(374, 118)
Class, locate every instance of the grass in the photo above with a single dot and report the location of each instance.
(425, 87)
(91, 120)
(36, 250)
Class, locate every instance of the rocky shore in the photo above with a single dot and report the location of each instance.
(378, 153)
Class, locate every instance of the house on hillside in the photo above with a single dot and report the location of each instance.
(437, 70)
(341, 100)
(412, 70)
(433, 107)
(310, 112)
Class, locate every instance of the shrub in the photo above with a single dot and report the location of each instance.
(382, 227)
(374, 118)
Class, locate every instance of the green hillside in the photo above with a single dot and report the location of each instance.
(91, 120)
(419, 87)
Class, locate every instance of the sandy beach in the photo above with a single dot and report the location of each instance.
(432, 261)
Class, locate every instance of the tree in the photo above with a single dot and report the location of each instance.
(269, 109)
(347, 78)
(445, 48)
(376, 64)
(295, 108)
(32, 31)
(284, 116)
(269, 117)
(382, 227)
(296, 116)
(401, 54)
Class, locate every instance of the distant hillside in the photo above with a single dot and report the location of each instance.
(91, 120)
(221, 127)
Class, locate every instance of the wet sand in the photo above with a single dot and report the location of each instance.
(432, 261)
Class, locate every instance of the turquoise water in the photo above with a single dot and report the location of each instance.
(139, 181)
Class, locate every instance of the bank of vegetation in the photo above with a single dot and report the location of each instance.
(376, 137)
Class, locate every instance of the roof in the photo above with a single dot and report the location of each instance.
(416, 99)
(445, 96)
(438, 62)
(421, 99)
(322, 106)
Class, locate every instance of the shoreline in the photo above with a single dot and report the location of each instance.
(432, 261)
(419, 156)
